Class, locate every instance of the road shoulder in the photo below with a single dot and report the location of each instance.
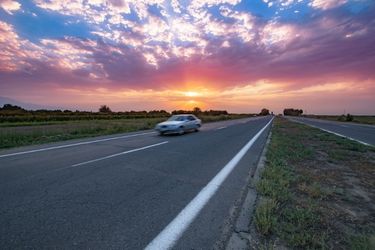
(316, 191)
(240, 237)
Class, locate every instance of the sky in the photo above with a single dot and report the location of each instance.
(237, 55)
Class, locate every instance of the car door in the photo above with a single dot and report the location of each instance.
(192, 122)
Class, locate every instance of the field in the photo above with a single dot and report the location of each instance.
(26, 132)
(356, 118)
(317, 191)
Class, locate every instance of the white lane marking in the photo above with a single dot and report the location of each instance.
(171, 234)
(329, 131)
(75, 144)
(73, 166)
(118, 154)
(221, 128)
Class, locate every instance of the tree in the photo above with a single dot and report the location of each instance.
(293, 112)
(105, 109)
(264, 112)
(11, 107)
(349, 118)
(197, 110)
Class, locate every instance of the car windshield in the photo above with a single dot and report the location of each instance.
(177, 118)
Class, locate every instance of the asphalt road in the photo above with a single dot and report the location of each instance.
(359, 132)
(121, 191)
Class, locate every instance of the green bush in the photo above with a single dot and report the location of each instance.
(349, 118)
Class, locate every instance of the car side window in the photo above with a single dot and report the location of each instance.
(191, 118)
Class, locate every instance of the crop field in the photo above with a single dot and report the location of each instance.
(12, 136)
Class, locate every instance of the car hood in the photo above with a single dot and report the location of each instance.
(171, 123)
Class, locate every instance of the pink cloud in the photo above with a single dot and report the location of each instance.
(10, 6)
(327, 4)
(197, 50)
(281, 52)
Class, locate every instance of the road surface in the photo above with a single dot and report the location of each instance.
(122, 191)
(362, 133)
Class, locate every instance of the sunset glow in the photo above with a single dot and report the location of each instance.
(219, 54)
(191, 94)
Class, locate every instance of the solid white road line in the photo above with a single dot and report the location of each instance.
(171, 234)
(118, 154)
(329, 131)
(75, 144)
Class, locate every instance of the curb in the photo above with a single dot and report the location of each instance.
(241, 235)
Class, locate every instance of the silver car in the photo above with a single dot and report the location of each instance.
(179, 124)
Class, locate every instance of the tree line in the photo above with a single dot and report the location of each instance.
(293, 112)
(13, 113)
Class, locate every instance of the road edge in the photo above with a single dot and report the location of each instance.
(242, 229)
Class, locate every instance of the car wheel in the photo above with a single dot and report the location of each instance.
(197, 128)
(161, 133)
(181, 131)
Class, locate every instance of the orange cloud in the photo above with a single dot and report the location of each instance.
(248, 98)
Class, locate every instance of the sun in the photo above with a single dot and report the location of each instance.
(191, 94)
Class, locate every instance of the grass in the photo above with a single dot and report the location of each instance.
(361, 242)
(275, 182)
(265, 217)
(316, 191)
(364, 119)
(19, 124)
(27, 135)
(299, 227)
(215, 118)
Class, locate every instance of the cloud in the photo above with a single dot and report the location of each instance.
(15, 51)
(274, 33)
(276, 51)
(326, 98)
(282, 4)
(327, 4)
(10, 6)
(171, 46)
(316, 4)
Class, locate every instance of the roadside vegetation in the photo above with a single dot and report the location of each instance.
(13, 136)
(364, 119)
(20, 127)
(346, 118)
(317, 191)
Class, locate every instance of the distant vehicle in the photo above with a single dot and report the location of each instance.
(179, 124)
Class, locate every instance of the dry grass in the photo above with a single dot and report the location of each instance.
(325, 187)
